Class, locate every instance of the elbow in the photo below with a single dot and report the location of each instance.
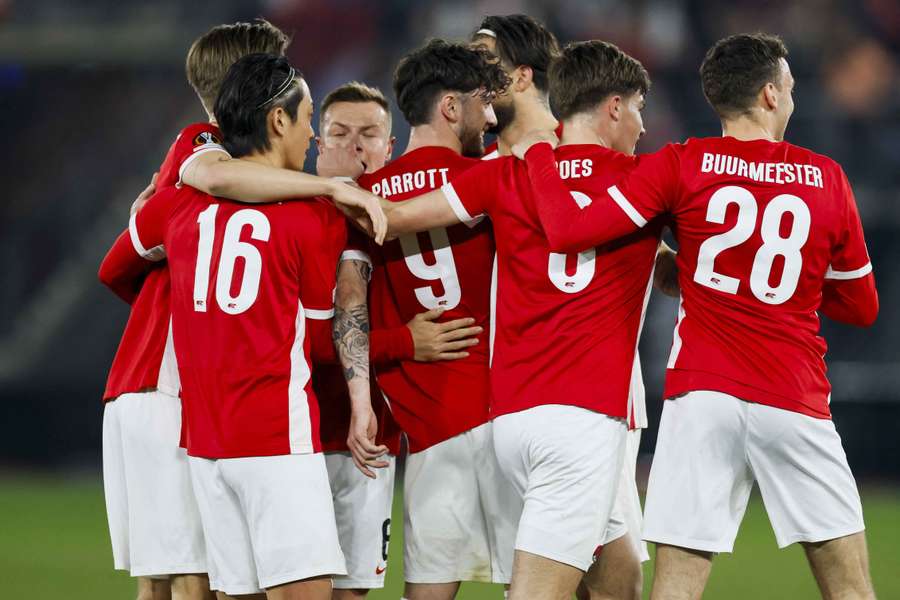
(207, 178)
(105, 275)
(869, 315)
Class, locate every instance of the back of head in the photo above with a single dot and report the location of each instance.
(736, 68)
(441, 66)
(355, 92)
(253, 86)
(215, 51)
(522, 40)
(588, 72)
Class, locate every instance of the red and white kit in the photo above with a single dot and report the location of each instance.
(143, 467)
(564, 352)
(443, 407)
(763, 228)
(244, 282)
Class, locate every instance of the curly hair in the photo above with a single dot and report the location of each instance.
(441, 66)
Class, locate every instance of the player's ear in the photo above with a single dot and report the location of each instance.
(614, 107)
(450, 108)
(319, 143)
(390, 147)
(522, 78)
(769, 96)
(278, 121)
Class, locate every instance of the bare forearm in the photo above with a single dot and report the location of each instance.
(419, 214)
(247, 181)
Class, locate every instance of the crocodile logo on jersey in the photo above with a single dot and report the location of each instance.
(206, 137)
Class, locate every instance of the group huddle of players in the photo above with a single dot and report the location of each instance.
(287, 329)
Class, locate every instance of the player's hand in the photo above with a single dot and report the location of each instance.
(665, 274)
(142, 198)
(361, 441)
(361, 207)
(537, 136)
(339, 162)
(441, 341)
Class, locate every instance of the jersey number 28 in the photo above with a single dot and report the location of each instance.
(773, 243)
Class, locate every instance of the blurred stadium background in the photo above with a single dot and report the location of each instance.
(94, 91)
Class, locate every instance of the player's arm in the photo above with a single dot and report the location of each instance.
(218, 174)
(465, 199)
(665, 273)
(351, 339)
(848, 292)
(854, 301)
(122, 270)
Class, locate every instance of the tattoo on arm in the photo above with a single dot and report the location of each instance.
(351, 338)
(351, 319)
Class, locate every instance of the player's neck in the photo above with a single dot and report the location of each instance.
(531, 115)
(581, 129)
(424, 136)
(749, 128)
(271, 159)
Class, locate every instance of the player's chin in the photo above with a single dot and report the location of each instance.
(473, 148)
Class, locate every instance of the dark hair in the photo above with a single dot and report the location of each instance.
(254, 85)
(523, 40)
(737, 67)
(588, 72)
(212, 53)
(355, 91)
(440, 66)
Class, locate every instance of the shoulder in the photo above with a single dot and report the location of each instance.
(199, 134)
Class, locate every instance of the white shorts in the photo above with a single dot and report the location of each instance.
(626, 517)
(362, 508)
(460, 512)
(154, 524)
(565, 462)
(268, 520)
(712, 447)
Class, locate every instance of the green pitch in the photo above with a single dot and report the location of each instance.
(54, 544)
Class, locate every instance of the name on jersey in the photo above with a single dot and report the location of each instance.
(575, 168)
(764, 172)
(410, 182)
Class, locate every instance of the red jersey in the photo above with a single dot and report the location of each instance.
(760, 227)
(145, 359)
(567, 325)
(447, 268)
(244, 281)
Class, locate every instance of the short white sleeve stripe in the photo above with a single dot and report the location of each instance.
(844, 275)
(321, 315)
(356, 255)
(458, 209)
(620, 199)
(154, 254)
(197, 152)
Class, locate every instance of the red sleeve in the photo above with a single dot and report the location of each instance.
(849, 257)
(193, 141)
(122, 269)
(388, 345)
(147, 227)
(322, 243)
(472, 194)
(853, 301)
(573, 224)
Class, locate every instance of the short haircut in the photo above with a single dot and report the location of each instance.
(737, 67)
(523, 40)
(212, 53)
(253, 86)
(356, 92)
(586, 73)
(441, 66)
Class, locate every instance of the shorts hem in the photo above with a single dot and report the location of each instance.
(356, 584)
(824, 536)
(301, 574)
(445, 578)
(168, 570)
(236, 589)
(617, 535)
(691, 544)
(561, 557)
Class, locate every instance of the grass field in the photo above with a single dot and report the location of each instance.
(54, 544)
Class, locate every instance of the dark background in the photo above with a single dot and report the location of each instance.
(93, 92)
